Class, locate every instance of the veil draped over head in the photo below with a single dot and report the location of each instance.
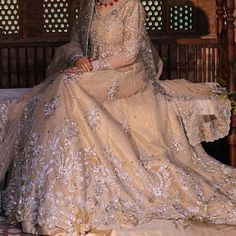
(79, 45)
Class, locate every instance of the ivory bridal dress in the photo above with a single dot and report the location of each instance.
(97, 151)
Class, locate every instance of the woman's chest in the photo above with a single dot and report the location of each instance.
(108, 28)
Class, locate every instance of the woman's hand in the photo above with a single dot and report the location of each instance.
(72, 70)
(84, 64)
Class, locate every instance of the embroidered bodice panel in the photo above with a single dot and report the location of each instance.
(116, 36)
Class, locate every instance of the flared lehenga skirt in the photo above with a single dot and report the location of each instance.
(102, 148)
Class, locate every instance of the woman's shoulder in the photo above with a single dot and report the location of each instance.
(131, 4)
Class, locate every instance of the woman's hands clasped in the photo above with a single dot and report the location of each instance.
(84, 63)
(81, 65)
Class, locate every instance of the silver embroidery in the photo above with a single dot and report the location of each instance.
(4, 108)
(50, 107)
(113, 90)
(176, 143)
(69, 178)
(92, 116)
(72, 76)
(125, 126)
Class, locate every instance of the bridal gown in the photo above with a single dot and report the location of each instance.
(102, 150)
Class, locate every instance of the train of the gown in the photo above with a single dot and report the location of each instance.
(154, 228)
(103, 149)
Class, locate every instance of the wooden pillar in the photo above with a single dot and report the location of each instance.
(232, 142)
(229, 6)
(230, 41)
(220, 16)
(219, 30)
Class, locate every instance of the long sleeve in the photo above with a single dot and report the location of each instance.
(75, 40)
(134, 27)
(134, 18)
(67, 54)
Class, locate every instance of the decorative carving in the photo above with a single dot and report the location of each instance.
(154, 11)
(181, 18)
(9, 17)
(56, 16)
(229, 6)
(220, 16)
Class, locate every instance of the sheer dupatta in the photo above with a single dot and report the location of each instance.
(65, 56)
(79, 45)
(79, 40)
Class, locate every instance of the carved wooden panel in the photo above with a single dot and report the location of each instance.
(9, 17)
(154, 11)
(56, 16)
(170, 16)
(181, 18)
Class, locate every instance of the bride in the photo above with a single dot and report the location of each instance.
(102, 142)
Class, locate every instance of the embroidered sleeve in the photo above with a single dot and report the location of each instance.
(78, 53)
(101, 64)
(134, 18)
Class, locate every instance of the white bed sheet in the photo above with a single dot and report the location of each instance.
(12, 93)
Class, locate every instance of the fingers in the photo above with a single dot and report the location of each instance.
(84, 64)
(73, 69)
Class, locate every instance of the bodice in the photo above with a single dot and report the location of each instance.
(119, 41)
(107, 32)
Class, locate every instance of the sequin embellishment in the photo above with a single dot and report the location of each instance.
(50, 107)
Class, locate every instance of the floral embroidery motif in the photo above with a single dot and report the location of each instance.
(71, 76)
(92, 116)
(4, 108)
(71, 176)
(176, 143)
(108, 153)
(113, 90)
(3, 111)
(101, 64)
(71, 130)
(50, 107)
(90, 152)
(125, 126)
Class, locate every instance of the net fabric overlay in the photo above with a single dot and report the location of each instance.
(120, 135)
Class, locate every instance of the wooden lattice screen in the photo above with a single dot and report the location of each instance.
(31, 30)
(38, 23)
(55, 17)
(9, 17)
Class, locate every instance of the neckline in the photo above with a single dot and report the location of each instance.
(109, 10)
